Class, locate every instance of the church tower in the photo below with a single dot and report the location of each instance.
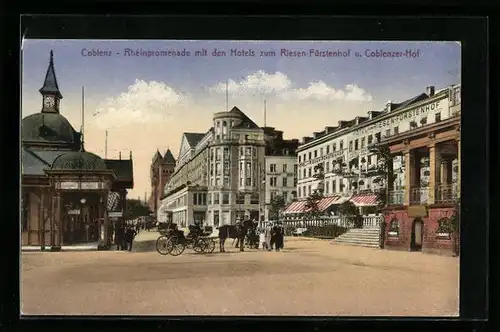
(50, 90)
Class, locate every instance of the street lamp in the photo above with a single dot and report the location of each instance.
(83, 200)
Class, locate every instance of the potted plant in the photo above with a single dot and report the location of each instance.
(363, 160)
(413, 124)
(423, 121)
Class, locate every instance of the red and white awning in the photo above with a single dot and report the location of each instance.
(323, 204)
(364, 200)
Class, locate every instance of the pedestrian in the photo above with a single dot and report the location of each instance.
(279, 237)
(129, 237)
(262, 239)
(119, 234)
(269, 243)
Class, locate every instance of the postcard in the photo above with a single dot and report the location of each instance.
(281, 178)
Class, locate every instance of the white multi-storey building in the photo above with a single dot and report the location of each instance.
(220, 175)
(281, 168)
(348, 162)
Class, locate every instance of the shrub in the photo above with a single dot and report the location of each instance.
(325, 231)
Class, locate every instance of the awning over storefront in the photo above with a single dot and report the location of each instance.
(364, 199)
(323, 204)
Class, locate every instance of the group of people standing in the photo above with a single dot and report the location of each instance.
(272, 236)
(124, 236)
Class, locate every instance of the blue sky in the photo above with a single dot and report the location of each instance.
(166, 96)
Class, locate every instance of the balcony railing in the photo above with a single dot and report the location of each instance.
(446, 193)
(442, 194)
(396, 197)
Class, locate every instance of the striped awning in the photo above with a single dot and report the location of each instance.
(323, 204)
(364, 199)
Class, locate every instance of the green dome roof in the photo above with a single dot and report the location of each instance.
(47, 128)
(79, 161)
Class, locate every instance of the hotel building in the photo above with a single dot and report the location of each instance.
(350, 163)
(220, 175)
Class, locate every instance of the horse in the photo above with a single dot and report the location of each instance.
(238, 231)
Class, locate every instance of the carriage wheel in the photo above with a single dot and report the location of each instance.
(162, 245)
(199, 245)
(209, 246)
(178, 246)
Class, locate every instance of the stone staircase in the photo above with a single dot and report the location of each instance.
(365, 237)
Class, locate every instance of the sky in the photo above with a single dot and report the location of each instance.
(146, 102)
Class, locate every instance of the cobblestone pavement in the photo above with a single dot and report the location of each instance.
(309, 277)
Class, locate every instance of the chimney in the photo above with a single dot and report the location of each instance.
(329, 130)
(388, 106)
(430, 90)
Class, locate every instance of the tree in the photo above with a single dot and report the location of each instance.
(276, 204)
(312, 208)
(135, 209)
(384, 171)
(349, 210)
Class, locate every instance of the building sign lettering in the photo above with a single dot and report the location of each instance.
(407, 115)
(69, 185)
(333, 155)
(90, 185)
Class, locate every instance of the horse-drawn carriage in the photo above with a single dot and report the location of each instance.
(173, 241)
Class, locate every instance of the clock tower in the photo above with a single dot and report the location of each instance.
(51, 95)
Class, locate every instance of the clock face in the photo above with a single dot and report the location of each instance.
(49, 102)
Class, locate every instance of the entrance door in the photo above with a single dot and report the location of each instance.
(417, 234)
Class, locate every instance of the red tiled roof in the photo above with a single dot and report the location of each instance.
(364, 199)
(323, 204)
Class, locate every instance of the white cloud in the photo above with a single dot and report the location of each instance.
(144, 102)
(280, 85)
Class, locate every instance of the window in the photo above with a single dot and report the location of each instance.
(295, 169)
(396, 130)
(248, 151)
(217, 169)
(295, 182)
(356, 145)
(240, 198)
(334, 186)
(285, 168)
(334, 146)
(216, 198)
(248, 182)
(363, 143)
(309, 172)
(273, 195)
(456, 96)
(300, 191)
(309, 190)
(387, 133)
(327, 149)
(226, 181)
(273, 181)
(377, 137)
(300, 159)
(350, 146)
(285, 181)
(225, 198)
(321, 152)
(327, 187)
(285, 196)
(272, 168)
(217, 181)
(315, 153)
(195, 198)
(437, 117)
(310, 155)
(341, 145)
(327, 167)
(209, 199)
(304, 173)
(217, 154)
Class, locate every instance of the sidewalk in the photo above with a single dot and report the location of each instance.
(80, 247)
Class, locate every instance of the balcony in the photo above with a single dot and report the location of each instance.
(443, 194)
(396, 197)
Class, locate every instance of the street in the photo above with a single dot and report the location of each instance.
(309, 277)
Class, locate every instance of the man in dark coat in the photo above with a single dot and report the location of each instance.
(277, 237)
(130, 234)
(119, 236)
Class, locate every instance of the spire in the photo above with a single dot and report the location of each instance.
(50, 86)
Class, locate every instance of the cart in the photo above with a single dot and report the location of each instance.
(174, 242)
